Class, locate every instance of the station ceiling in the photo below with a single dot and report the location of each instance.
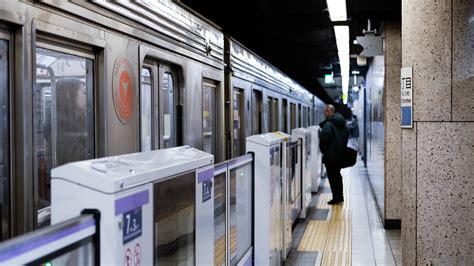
(296, 36)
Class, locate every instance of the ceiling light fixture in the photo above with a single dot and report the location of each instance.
(337, 10)
(342, 42)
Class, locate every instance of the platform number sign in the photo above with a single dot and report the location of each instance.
(406, 92)
(132, 225)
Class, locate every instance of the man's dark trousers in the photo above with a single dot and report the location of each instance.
(335, 181)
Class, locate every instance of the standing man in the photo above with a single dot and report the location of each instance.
(332, 142)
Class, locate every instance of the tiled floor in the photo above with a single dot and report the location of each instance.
(348, 234)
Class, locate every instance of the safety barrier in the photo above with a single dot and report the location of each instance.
(72, 242)
(233, 211)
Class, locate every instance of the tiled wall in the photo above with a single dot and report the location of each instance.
(438, 154)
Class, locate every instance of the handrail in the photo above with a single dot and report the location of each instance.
(51, 242)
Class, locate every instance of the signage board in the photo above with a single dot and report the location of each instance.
(406, 93)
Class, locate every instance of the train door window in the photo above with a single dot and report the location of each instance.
(270, 114)
(299, 116)
(309, 121)
(257, 112)
(4, 138)
(285, 115)
(62, 113)
(292, 116)
(146, 110)
(174, 220)
(275, 114)
(239, 122)
(209, 116)
(171, 111)
(305, 118)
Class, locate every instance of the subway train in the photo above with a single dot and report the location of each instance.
(88, 79)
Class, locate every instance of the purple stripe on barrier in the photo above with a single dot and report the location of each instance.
(131, 202)
(27, 246)
(219, 167)
(205, 175)
(240, 159)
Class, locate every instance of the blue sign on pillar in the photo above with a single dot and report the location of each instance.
(407, 97)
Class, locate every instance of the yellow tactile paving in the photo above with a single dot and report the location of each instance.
(341, 212)
(219, 251)
(323, 201)
(339, 236)
(314, 237)
(332, 238)
(336, 258)
(219, 246)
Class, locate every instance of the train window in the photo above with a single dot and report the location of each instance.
(257, 112)
(305, 118)
(240, 212)
(174, 221)
(309, 121)
(63, 116)
(219, 219)
(275, 115)
(209, 119)
(146, 110)
(285, 116)
(292, 116)
(239, 122)
(299, 116)
(4, 139)
(171, 111)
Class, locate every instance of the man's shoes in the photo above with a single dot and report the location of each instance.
(335, 201)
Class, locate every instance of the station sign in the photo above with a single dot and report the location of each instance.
(406, 93)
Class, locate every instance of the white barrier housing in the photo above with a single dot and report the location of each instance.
(155, 206)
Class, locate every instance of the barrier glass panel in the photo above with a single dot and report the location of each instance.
(220, 206)
(241, 230)
(174, 220)
(72, 242)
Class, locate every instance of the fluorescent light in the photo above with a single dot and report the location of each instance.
(342, 41)
(355, 72)
(355, 88)
(337, 10)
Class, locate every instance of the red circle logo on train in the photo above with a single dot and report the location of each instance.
(122, 86)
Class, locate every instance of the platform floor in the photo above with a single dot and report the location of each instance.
(351, 233)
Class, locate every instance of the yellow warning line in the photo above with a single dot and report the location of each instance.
(339, 236)
(341, 212)
(331, 258)
(314, 237)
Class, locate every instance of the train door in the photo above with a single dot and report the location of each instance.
(239, 122)
(292, 116)
(209, 116)
(5, 183)
(285, 116)
(257, 112)
(62, 113)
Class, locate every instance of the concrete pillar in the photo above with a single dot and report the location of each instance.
(392, 118)
(438, 153)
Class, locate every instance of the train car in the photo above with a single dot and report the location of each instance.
(109, 78)
(88, 79)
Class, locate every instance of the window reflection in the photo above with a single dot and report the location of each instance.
(219, 219)
(62, 90)
(146, 101)
(174, 220)
(239, 124)
(209, 117)
(168, 111)
(241, 229)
